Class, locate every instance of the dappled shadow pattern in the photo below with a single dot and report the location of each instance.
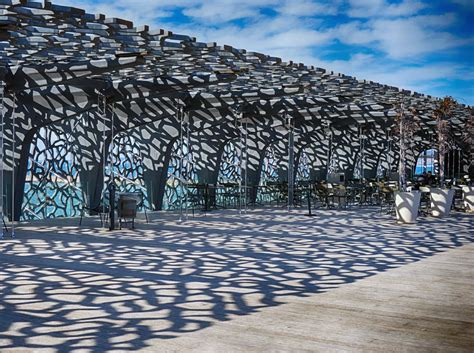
(90, 290)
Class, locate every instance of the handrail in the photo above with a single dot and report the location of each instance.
(49, 171)
(130, 180)
(34, 213)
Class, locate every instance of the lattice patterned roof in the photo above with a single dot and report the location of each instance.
(44, 45)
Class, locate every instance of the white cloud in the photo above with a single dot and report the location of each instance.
(382, 8)
(267, 35)
(215, 11)
(402, 37)
(306, 8)
(424, 78)
(298, 38)
(141, 12)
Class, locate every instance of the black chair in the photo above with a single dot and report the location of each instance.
(3, 219)
(340, 194)
(299, 193)
(5, 225)
(127, 210)
(230, 195)
(425, 201)
(458, 201)
(99, 209)
(387, 200)
(268, 194)
(198, 196)
(323, 194)
(140, 199)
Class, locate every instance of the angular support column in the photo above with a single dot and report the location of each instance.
(344, 150)
(156, 141)
(207, 153)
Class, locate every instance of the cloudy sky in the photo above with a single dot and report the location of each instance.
(421, 45)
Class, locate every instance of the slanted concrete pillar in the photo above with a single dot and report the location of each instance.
(207, 153)
(345, 143)
(281, 154)
(375, 144)
(89, 139)
(16, 157)
(316, 147)
(156, 142)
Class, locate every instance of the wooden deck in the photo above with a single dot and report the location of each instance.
(427, 306)
(344, 281)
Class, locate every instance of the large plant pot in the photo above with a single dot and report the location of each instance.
(468, 198)
(407, 205)
(441, 201)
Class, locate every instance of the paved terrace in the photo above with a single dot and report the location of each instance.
(265, 281)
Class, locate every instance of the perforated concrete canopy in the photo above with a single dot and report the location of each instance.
(60, 62)
(46, 45)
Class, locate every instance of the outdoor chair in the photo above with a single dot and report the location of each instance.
(353, 196)
(3, 219)
(372, 194)
(127, 210)
(458, 201)
(139, 197)
(197, 197)
(282, 194)
(340, 194)
(5, 225)
(211, 196)
(323, 194)
(99, 209)
(269, 194)
(387, 199)
(229, 195)
(298, 196)
(376, 194)
(425, 201)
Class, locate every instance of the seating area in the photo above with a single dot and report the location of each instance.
(322, 195)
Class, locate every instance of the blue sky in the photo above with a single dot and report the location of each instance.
(421, 45)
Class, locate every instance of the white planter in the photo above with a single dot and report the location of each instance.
(441, 201)
(407, 205)
(468, 198)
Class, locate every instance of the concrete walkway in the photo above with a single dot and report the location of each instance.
(265, 281)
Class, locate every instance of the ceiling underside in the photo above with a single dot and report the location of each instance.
(48, 52)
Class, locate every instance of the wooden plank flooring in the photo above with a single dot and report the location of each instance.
(266, 281)
(427, 306)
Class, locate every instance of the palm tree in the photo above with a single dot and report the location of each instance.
(442, 114)
(468, 140)
(405, 127)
